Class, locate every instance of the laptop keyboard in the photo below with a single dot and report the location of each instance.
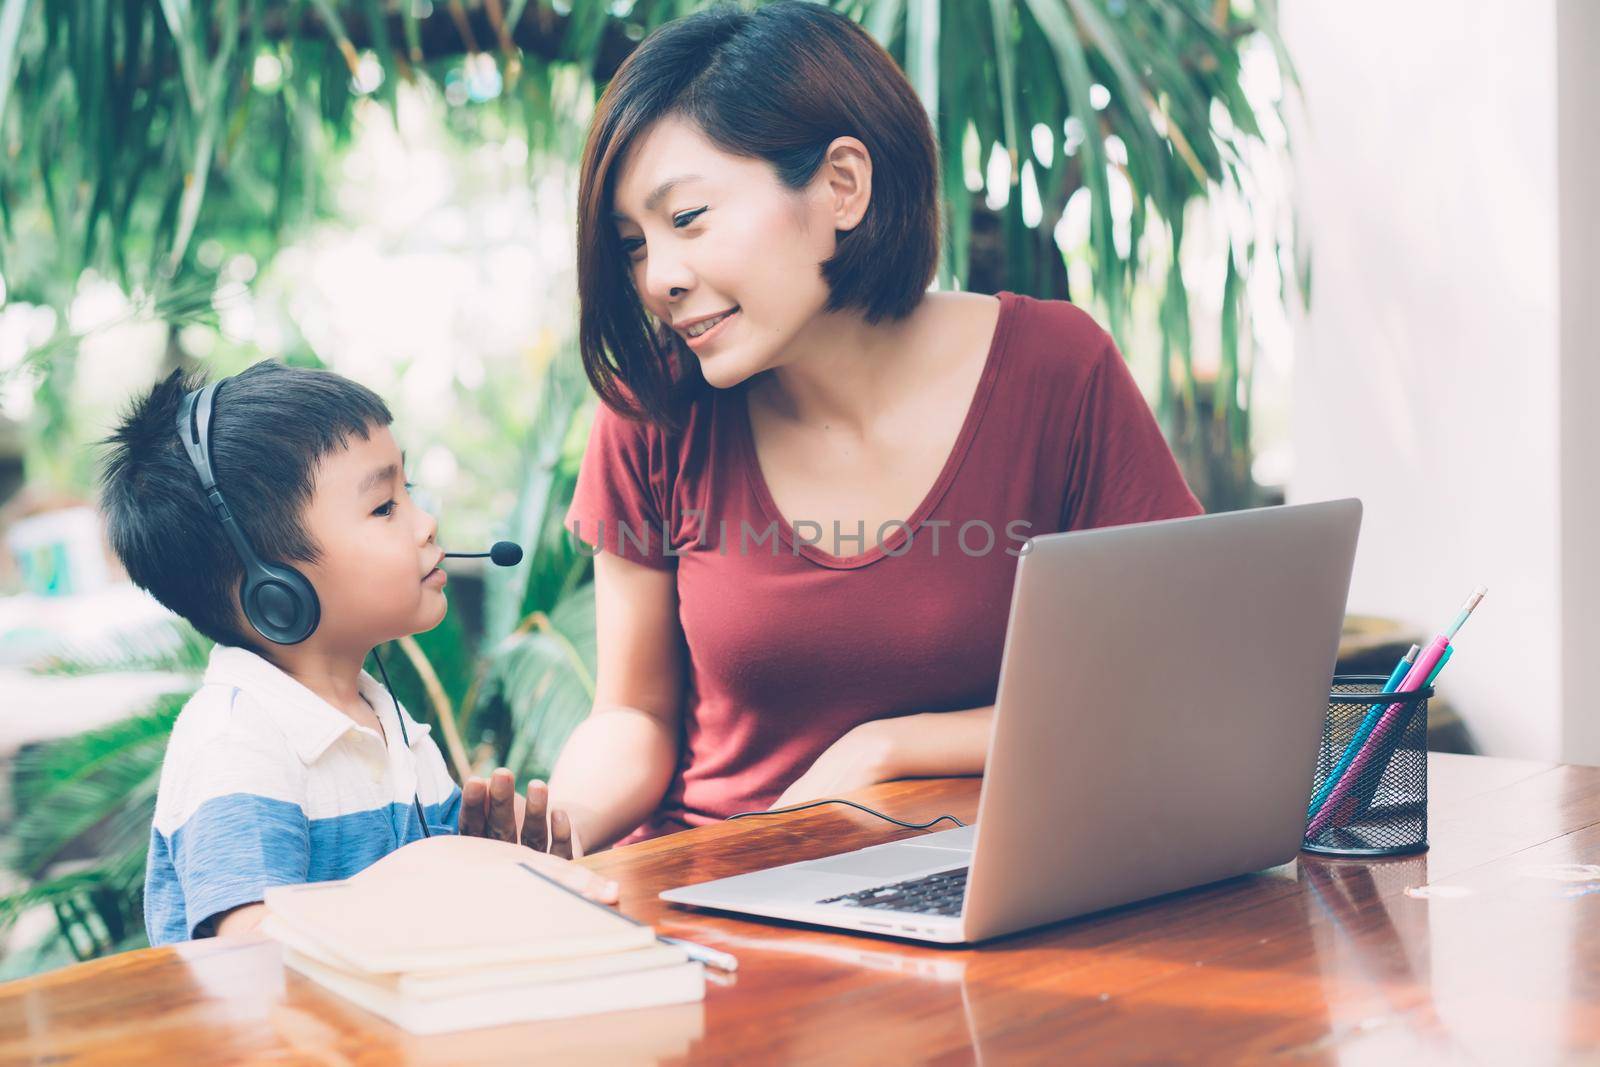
(933, 894)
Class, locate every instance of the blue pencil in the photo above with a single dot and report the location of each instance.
(1374, 713)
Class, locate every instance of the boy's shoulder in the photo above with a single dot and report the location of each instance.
(228, 711)
(210, 717)
(224, 742)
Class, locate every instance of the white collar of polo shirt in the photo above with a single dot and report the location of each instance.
(310, 724)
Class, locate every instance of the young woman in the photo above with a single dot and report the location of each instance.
(810, 478)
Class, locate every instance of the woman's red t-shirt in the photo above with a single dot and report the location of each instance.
(791, 647)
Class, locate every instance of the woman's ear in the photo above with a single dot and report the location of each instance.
(847, 181)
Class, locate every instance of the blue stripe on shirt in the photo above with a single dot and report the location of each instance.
(233, 847)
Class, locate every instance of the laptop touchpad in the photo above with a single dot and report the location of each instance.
(880, 863)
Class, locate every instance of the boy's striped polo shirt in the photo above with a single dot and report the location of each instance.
(265, 783)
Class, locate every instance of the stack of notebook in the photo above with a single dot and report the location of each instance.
(450, 933)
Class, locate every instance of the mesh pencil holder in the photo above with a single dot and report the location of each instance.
(1370, 794)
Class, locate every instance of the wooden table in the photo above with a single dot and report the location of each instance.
(1485, 949)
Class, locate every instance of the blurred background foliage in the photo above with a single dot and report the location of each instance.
(207, 176)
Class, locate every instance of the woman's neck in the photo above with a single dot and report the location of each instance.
(839, 371)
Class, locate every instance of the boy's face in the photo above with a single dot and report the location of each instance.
(378, 577)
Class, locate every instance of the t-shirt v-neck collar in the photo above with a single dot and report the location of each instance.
(941, 484)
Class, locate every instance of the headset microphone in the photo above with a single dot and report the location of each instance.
(501, 554)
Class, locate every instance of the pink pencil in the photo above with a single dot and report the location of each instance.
(1339, 800)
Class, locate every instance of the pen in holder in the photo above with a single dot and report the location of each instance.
(1379, 804)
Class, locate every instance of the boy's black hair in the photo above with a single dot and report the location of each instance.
(272, 426)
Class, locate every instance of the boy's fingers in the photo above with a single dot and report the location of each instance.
(474, 793)
(533, 816)
(560, 835)
(607, 892)
(502, 806)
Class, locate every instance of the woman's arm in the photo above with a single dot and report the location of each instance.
(938, 744)
(930, 745)
(619, 761)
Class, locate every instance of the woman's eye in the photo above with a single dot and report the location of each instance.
(684, 218)
(630, 245)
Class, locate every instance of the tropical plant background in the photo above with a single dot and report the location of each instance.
(200, 183)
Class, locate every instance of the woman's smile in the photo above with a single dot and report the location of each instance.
(702, 332)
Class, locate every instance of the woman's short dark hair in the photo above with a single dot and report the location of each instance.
(779, 83)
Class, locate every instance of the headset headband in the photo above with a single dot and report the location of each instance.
(277, 599)
(194, 429)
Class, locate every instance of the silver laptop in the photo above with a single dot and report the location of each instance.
(1160, 703)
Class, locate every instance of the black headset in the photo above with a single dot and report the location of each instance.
(277, 599)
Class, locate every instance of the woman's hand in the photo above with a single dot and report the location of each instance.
(929, 745)
(864, 756)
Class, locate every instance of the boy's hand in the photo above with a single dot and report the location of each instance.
(492, 809)
(563, 838)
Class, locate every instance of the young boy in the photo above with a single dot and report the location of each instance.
(290, 764)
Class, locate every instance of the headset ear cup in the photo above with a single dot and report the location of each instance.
(280, 603)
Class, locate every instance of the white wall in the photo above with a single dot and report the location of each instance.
(1578, 164)
(1428, 371)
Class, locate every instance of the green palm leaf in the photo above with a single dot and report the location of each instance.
(103, 780)
(120, 159)
(85, 806)
(544, 676)
(550, 471)
(170, 646)
(12, 13)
